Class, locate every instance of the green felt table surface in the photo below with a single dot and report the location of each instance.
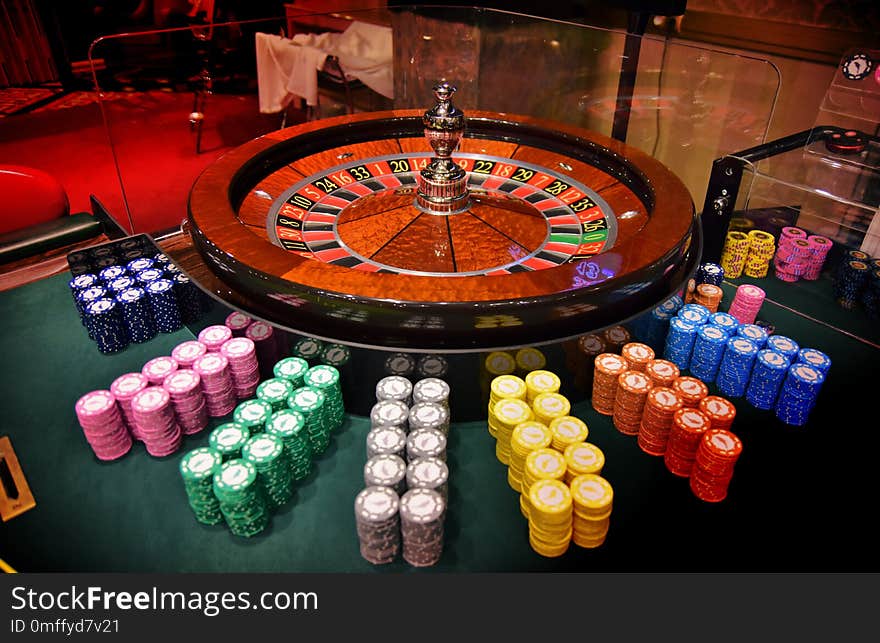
(802, 499)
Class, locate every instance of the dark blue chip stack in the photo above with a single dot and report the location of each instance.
(798, 394)
(784, 345)
(736, 366)
(725, 321)
(680, 342)
(871, 294)
(852, 279)
(710, 273)
(110, 273)
(86, 297)
(137, 314)
(708, 350)
(767, 374)
(171, 270)
(78, 284)
(815, 358)
(188, 296)
(103, 319)
(148, 276)
(163, 305)
(754, 333)
(161, 260)
(137, 265)
(121, 284)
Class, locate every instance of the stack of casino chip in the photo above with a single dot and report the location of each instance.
(528, 360)
(241, 498)
(540, 464)
(394, 387)
(721, 412)
(386, 471)
(422, 517)
(186, 353)
(746, 303)
(871, 294)
(124, 388)
(266, 453)
(709, 273)
(308, 348)
(767, 374)
(688, 427)
(311, 402)
(616, 337)
(526, 437)
(736, 366)
(326, 379)
(593, 498)
(637, 356)
(784, 345)
(798, 394)
(190, 300)
(651, 328)
(149, 275)
(377, 515)
(292, 369)
(567, 430)
(852, 280)
(661, 406)
(275, 392)
(427, 415)
(197, 468)
(136, 314)
(429, 473)
(504, 415)
(425, 443)
(104, 322)
(695, 314)
(493, 365)
(539, 382)
(241, 354)
(762, 247)
(237, 322)
(708, 295)
(547, 407)
(289, 426)
(336, 355)
(504, 387)
(432, 366)
(102, 424)
(213, 337)
(390, 413)
(156, 423)
(727, 322)
(163, 305)
(583, 355)
(819, 249)
(550, 517)
(188, 400)
(253, 414)
(217, 383)
(581, 458)
(815, 358)
(680, 342)
(264, 338)
(88, 296)
(734, 254)
(228, 439)
(389, 440)
(662, 372)
(717, 454)
(708, 351)
(754, 333)
(432, 390)
(78, 284)
(158, 368)
(629, 402)
(792, 259)
(690, 389)
(606, 370)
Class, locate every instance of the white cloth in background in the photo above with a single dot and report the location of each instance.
(365, 52)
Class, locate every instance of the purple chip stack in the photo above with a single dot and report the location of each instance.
(819, 248)
(242, 356)
(158, 368)
(156, 422)
(188, 400)
(263, 337)
(217, 384)
(214, 337)
(102, 424)
(238, 322)
(124, 388)
(188, 352)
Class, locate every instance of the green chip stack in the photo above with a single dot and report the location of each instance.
(228, 439)
(289, 426)
(275, 391)
(325, 378)
(291, 369)
(311, 403)
(197, 468)
(253, 414)
(241, 498)
(308, 348)
(266, 453)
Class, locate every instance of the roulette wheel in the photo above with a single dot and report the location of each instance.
(436, 231)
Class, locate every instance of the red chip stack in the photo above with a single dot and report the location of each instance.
(156, 422)
(213, 337)
(158, 368)
(746, 303)
(819, 248)
(660, 409)
(124, 388)
(690, 389)
(102, 425)
(688, 426)
(716, 457)
(629, 401)
(237, 322)
(263, 337)
(217, 384)
(243, 365)
(187, 399)
(607, 367)
(186, 353)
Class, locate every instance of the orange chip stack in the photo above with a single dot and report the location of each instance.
(606, 369)
(688, 426)
(690, 390)
(708, 295)
(660, 409)
(719, 410)
(716, 457)
(637, 355)
(629, 401)
(662, 372)
(615, 337)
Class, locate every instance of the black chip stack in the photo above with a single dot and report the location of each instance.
(376, 511)
(422, 516)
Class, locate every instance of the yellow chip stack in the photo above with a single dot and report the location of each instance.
(541, 464)
(493, 365)
(503, 417)
(538, 382)
(733, 257)
(550, 406)
(526, 437)
(583, 458)
(550, 517)
(567, 430)
(505, 387)
(762, 247)
(592, 497)
(529, 359)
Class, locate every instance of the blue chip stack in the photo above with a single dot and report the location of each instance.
(86, 297)
(680, 342)
(871, 295)
(798, 394)
(136, 314)
(815, 358)
(754, 333)
(110, 273)
(146, 277)
(694, 314)
(851, 281)
(708, 351)
(736, 366)
(725, 321)
(710, 273)
(103, 319)
(784, 345)
(189, 298)
(78, 284)
(121, 284)
(767, 375)
(163, 305)
(161, 260)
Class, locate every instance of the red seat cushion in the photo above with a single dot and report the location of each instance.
(30, 196)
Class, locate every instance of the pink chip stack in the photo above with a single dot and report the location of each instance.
(819, 248)
(746, 303)
(124, 388)
(188, 400)
(242, 355)
(214, 337)
(156, 421)
(158, 368)
(263, 337)
(793, 254)
(102, 424)
(238, 322)
(217, 384)
(188, 352)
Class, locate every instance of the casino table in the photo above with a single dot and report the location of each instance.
(801, 498)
